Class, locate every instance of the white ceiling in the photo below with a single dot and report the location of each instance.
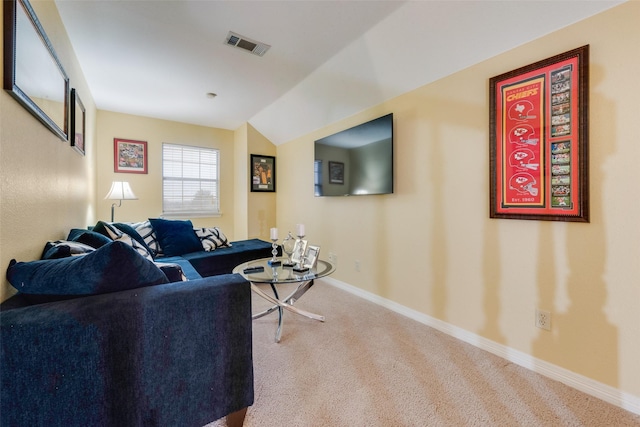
(327, 61)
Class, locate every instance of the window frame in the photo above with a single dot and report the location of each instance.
(196, 212)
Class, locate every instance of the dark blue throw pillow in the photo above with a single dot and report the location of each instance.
(176, 237)
(111, 268)
(88, 237)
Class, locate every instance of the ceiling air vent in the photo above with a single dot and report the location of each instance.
(245, 43)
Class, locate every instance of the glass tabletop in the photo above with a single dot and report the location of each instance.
(280, 273)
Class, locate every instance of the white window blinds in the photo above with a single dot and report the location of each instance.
(190, 177)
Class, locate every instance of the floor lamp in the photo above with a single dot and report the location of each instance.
(120, 190)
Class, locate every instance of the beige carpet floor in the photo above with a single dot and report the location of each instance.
(369, 366)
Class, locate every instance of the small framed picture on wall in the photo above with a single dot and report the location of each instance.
(129, 156)
(336, 172)
(77, 127)
(263, 173)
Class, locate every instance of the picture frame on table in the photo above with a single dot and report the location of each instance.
(263, 173)
(313, 252)
(78, 123)
(539, 138)
(336, 172)
(129, 156)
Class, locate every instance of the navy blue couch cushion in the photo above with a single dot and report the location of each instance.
(187, 269)
(113, 267)
(223, 260)
(88, 237)
(176, 237)
(177, 354)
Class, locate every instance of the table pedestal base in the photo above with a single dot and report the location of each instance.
(285, 304)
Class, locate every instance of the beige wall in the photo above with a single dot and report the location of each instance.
(46, 187)
(244, 214)
(241, 181)
(432, 247)
(255, 212)
(148, 187)
(261, 208)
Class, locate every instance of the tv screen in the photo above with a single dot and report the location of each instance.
(357, 161)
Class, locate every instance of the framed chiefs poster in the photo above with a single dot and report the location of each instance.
(539, 140)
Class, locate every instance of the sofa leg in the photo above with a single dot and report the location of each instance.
(236, 419)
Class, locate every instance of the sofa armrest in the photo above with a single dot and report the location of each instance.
(172, 354)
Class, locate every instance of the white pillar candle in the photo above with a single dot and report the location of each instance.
(274, 234)
(300, 229)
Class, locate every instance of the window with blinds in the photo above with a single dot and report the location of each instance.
(317, 177)
(190, 177)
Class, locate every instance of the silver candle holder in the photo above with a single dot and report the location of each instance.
(300, 267)
(274, 261)
(288, 245)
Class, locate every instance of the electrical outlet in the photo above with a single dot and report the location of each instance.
(358, 265)
(543, 319)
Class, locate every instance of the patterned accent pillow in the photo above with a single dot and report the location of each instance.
(145, 230)
(64, 248)
(117, 235)
(212, 238)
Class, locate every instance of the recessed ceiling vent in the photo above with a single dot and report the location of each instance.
(245, 43)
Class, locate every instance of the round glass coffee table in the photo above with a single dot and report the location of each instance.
(262, 271)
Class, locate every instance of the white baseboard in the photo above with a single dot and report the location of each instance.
(594, 388)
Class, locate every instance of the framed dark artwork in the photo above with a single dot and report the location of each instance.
(77, 126)
(263, 173)
(129, 156)
(336, 172)
(33, 74)
(538, 148)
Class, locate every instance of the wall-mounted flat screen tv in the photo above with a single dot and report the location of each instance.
(356, 161)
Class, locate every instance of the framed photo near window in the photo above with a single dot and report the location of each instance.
(77, 133)
(263, 173)
(539, 140)
(336, 172)
(129, 156)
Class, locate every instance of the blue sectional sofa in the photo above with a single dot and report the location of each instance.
(222, 260)
(106, 339)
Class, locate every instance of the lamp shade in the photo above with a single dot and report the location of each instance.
(120, 190)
